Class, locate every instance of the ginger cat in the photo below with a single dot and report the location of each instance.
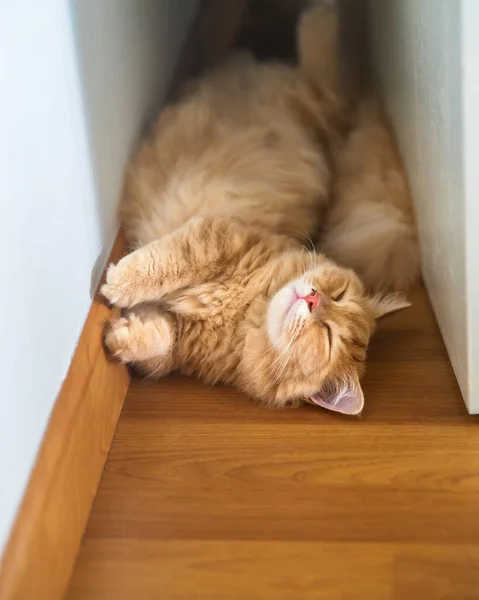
(234, 177)
(231, 303)
(290, 149)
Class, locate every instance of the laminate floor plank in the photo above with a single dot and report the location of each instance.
(208, 495)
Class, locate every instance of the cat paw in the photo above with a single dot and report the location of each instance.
(122, 287)
(130, 339)
(117, 337)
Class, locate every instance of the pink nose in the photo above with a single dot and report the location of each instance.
(312, 300)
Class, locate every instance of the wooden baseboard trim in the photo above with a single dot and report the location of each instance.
(47, 533)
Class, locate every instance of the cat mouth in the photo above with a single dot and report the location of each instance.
(287, 313)
(298, 299)
(293, 302)
(292, 311)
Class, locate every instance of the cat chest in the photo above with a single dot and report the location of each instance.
(210, 348)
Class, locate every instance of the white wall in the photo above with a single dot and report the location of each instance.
(127, 51)
(426, 55)
(77, 80)
(470, 107)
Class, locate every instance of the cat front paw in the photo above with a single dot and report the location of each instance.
(124, 285)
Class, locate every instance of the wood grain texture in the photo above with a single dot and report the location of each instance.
(207, 495)
(46, 536)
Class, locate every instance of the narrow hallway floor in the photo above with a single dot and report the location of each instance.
(207, 495)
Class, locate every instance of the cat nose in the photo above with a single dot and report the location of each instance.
(312, 300)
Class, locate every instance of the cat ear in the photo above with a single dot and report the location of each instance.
(345, 397)
(384, 304)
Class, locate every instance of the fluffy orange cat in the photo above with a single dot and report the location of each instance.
(232, 303)
(217, 203)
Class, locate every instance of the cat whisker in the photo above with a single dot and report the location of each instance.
(283, 358)
(286, 361)
(303, 232)
(279, 358)
(311, 256)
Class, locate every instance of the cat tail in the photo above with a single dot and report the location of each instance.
(376, 242)
(371, 225)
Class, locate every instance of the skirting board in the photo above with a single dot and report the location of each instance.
(50, 523)
(44, 543)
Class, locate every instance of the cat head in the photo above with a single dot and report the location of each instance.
(320, 326)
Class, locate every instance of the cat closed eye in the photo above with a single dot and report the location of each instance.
(339, 296)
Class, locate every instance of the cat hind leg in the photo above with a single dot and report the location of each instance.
(144, 338)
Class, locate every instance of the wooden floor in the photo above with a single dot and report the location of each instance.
(209, 496)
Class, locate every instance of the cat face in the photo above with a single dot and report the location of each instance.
(320, 326)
